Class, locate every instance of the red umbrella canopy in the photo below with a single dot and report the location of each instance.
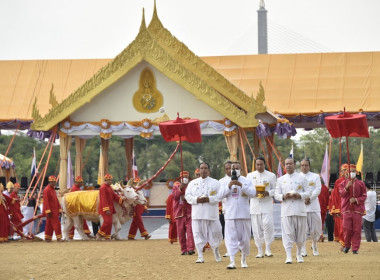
(181, 130)
(347, 125)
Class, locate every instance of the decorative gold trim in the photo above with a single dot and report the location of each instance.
(174, 60)
(257, 105)
(35, 112)
(52, 100)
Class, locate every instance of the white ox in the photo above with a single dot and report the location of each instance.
(122, 215)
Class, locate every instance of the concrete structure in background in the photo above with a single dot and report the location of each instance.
(262, 28)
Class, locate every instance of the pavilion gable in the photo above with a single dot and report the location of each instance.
(183, 68)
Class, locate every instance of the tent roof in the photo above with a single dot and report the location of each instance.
(293, 83)
(307, 83)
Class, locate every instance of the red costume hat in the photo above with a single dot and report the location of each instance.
(108, 177)
(78, 179)
(136, 179)
(344, 166)
(52, 178)
(184, 173)
(17, 185)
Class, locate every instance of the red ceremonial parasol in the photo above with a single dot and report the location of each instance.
(346, 125)
(181, 130)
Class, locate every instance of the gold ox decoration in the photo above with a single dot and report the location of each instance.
(147, 99)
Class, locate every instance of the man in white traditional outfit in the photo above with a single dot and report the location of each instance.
(222, 204)
(313, 209)
(292, 190)
(202, 194)
(261, 208)
(238, 191)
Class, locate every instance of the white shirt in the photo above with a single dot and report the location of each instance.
(262, 205)
(292, 183)
(221, 181)
(315, 186)
(208, 187)
(237, 204)
(370, 206)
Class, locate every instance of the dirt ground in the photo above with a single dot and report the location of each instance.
(157, 259)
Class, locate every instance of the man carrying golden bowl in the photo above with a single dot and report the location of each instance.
(261, 207)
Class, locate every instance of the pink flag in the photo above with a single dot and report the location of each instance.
(325, 168)
(279, 170)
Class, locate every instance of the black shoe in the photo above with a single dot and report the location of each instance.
(184, 253)
(191, 252)
(346, 250)
(355, 252)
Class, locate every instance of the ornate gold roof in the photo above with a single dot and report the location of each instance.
(157, 46)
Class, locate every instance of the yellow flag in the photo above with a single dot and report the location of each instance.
(100, 169)
(359, 164)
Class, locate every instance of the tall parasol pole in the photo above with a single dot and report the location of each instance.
(180, 149)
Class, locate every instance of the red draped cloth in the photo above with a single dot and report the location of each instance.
(335, 211)
(346, 124)
(181, 129)
(324, 202)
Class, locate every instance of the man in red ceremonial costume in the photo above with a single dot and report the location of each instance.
(335, 207)
(182, 215)
(354, 194)
(52, 211)
(106, 209)
(323, 203)
(137, 222)
(15, 208)
(5, 200)
(78, 183)
(169, 215)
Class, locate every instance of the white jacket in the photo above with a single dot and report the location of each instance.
(237, 204)
(370, 206)
(262, 205)
(208, 187)
(292, 183)
(315, 186)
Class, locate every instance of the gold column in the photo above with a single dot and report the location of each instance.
(79, 147)
(105, 144)
(64, 147)
(232, 145)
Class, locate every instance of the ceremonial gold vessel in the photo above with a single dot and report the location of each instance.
(260, 189)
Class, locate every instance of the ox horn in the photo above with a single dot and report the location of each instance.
(122, 185)
(130, 183)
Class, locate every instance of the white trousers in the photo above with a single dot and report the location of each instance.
(237, 236)
(262, 229)
(28, 214)
(293, 231)
(206, 231)
(314, 225)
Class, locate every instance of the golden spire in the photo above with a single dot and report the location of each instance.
(143, 25)
(155, 24)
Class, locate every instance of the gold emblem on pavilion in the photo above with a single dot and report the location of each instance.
(147, 99)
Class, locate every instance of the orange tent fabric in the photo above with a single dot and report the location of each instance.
(307, 83)
(24, 80)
